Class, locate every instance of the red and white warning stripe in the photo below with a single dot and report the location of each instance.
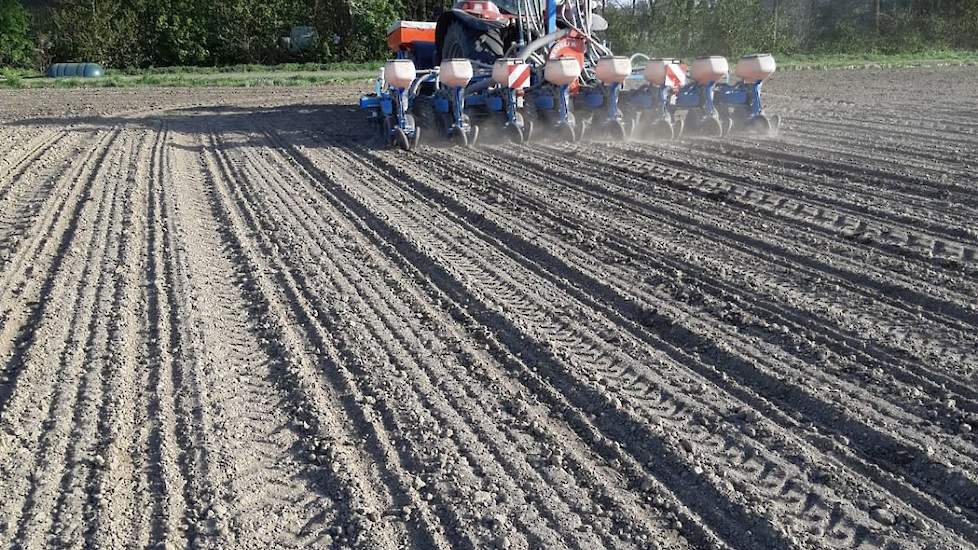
(675, 75)
(519, 75)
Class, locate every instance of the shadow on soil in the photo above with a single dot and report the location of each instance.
(332, 123)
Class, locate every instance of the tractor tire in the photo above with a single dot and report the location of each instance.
(464, 42)
(427, 118)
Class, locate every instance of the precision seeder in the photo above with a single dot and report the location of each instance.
(527, 70)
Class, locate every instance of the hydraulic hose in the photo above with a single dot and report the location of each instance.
(542, 42)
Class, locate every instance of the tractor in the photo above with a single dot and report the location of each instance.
(526, 71)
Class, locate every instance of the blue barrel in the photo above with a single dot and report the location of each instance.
(75, 70)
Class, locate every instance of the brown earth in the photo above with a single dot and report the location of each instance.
(249, 325)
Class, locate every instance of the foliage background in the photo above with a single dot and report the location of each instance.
(16, 46)
(129, 34)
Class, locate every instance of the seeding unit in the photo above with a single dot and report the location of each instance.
(516, 67)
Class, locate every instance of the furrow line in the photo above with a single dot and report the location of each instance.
(471, 449)
(852, 198)
(17, 166)
(576, 419)
(74, 516)
(115, 511)
(906, 305)
(551, 332)
(935, 159)
(381, 294)
(906, 188)
(954, 484)
(846, 168)
(159, 500)
(935, 150)
(56, 362)
(887, 241)
(175, 458)
(702, 292)
(254, 466)
(661, 303)
(569, 186)
(949, 131)
(19, 285)
(334, 410)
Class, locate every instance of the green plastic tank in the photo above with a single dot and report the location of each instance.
(75, 70)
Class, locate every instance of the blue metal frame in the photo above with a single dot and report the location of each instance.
(746, 94)
(741, 101)
(614, 114)
(551, 16)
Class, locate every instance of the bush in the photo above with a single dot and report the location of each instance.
(366, 40)
(16, 47)
(105, 32)
(681, 28)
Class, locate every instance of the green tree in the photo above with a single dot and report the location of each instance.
(366, 38)
(248, 30)
(177, 31)
(16, 48)
(102, 31)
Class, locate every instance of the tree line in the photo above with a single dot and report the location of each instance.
(731, 27)
(144, 33)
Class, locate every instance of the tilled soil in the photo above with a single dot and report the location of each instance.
(250, 325)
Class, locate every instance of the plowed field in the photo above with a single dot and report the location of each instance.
(231, 319)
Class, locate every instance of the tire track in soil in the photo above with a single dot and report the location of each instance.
(241, 327)
(405, 360)
(965, 390)
(777, 250)
(380, 298)
(887, 241)
(332, 417)
(704, 345)
(854, 167)
(159, 502)
(624, 246)
(458, 168)
(508, 359)
(177, 451)
(945, 215)
(858, 534)
(52, 394)
(838, 193)
(619, 198)
(255, 491)
(90, 451)
(635, 251)
(119, 512)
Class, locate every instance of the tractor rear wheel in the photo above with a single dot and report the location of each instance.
(427, 118)
(463, 42)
